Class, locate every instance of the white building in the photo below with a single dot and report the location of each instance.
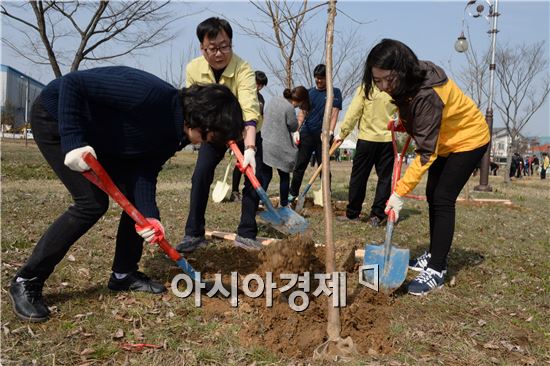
(17, 93)
(500, 143)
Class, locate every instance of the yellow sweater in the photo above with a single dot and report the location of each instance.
(373, 116)
(238, 76)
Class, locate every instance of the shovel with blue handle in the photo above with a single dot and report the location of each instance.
(389, 261)
(283, 219)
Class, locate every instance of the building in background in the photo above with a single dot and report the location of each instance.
(17, 94)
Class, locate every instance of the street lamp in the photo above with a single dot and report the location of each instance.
(461, 45)
(26, 121)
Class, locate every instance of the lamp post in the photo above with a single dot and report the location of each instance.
(26, 119)
(461, 45)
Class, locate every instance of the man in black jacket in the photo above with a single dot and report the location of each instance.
(132, 122)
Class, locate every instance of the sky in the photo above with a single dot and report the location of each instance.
(429, 28)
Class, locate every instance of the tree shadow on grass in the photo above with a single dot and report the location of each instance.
(64, 295)
(408, 213)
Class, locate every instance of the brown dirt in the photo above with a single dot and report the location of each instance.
(282, 330)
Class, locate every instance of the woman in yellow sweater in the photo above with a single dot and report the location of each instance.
(451, 137)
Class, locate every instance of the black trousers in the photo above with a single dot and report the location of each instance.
(308, 144)
(446, 178)
(237, 174)
(367, 155)
(90, 203)
(284, 183)
(203, 176)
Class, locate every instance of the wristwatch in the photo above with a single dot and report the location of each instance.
(250, 147)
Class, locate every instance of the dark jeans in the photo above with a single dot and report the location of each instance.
(203, 176)
(284, 184)
(237, 174)
(90, 203)
(446, 178)
(542, 173)
(369, 154)
(308, 144)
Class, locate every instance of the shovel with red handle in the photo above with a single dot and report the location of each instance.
(98, 176)
(284, 219)
(391, 260)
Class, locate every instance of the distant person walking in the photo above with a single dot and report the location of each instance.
(545, 165)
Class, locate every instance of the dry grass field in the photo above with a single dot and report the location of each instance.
(493, 310)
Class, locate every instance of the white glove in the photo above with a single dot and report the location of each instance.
(73, 159)
(250, 159)
(296, 138)
(152, 233)
(395, 203)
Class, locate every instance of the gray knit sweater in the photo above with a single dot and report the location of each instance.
(280, 121)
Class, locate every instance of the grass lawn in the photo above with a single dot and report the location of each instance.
(493, 310)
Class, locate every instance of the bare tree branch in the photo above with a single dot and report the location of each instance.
(89, 31)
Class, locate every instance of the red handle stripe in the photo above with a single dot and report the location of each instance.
(240, 158)
(105, 183)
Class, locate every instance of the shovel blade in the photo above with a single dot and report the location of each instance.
(285, 220)
(391, 273)
(220, 191)
(318, 197)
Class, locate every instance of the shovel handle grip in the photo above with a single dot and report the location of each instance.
(99, 176)
(240, 158)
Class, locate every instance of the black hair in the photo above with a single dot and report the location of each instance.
(213, 108)
(320, 70)
(393, 55)
(261, 78)
(300, 95)
(212, 26)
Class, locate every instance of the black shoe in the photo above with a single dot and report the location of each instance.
(235, 197)
(136, 281)
(26, 300)
(375, 221)
(347, 219)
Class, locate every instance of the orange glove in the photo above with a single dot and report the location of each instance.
(152, 233)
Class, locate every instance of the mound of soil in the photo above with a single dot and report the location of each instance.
(281, 329)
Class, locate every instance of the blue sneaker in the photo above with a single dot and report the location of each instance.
(291, 198)
(247, 243)
(191, 243)
(427, 281)
(420, 263)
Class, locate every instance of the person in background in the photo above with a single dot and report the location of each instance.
(544, 166)
(219, 65)
(535, 165)
(279, 150)
(494, 168)
(132, 122)
(261, 82)
(311, 129)
(451, 136)
(374, 148)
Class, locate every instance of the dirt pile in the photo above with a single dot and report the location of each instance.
(294, 255)
(280, 328)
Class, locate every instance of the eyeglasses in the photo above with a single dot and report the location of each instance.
(211, 51)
